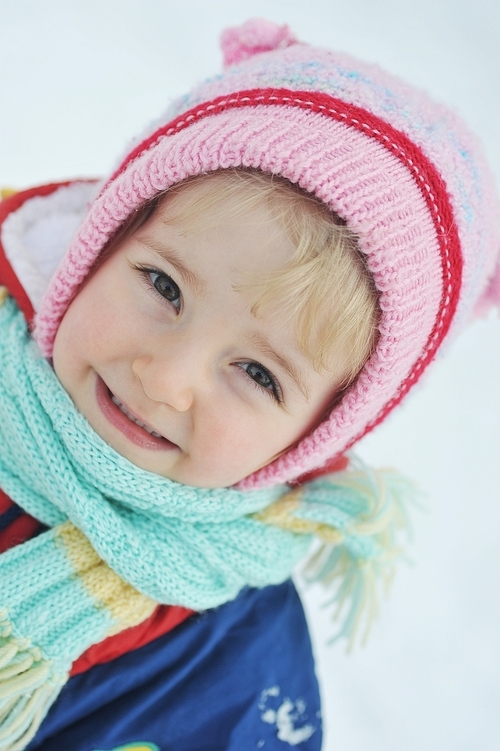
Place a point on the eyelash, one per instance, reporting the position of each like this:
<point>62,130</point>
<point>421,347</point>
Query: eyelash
<point>146,274</point>
<point>274,392</point>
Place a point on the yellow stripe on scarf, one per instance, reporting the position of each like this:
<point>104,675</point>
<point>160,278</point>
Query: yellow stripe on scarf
<point>126,605</point>
<point>280,514</point>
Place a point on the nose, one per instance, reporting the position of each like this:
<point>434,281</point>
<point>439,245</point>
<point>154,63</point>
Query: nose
<point>172,377</point>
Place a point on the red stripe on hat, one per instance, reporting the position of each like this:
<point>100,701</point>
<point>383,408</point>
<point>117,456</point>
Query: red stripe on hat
<point>425,175</point>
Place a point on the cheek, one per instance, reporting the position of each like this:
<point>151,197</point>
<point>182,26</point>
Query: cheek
<point>95,323</point>
<point>81,343</point>
<point>234,444</point>
<point>80,333</point>
<point>246,443</point>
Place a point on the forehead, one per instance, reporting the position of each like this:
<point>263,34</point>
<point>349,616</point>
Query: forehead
<point>212,220</point>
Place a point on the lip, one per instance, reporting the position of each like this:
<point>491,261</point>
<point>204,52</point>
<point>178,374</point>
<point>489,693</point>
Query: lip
<point>119,420</point>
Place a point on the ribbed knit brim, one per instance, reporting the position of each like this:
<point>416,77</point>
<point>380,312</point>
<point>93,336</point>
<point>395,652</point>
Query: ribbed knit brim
<point>403,172</point>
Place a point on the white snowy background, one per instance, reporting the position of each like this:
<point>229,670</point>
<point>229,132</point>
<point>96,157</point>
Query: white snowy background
<point>78,78</point>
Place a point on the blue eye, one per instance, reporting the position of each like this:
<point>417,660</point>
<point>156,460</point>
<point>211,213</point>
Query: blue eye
<point>166,287</point>
<point>163,285</point>
<point>263,378</point>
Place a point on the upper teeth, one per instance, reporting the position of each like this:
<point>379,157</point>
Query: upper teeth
<point>134,419</point>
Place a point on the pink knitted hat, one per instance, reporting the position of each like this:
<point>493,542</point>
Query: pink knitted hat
<point>403,172</point>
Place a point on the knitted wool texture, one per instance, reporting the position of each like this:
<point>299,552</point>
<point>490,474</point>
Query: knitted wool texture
<point>124,539</point>
<point>179,545</point>
<point>175,543</point>
<point>403,172</point>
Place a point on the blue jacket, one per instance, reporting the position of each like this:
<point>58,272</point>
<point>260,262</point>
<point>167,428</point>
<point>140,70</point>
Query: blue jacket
<point>236,678</point>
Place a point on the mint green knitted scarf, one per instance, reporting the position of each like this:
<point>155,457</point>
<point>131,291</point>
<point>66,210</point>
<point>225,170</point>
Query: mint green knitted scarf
<point>122,540</point>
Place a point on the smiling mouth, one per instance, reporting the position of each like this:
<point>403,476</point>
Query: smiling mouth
<point>123,420</point>
<point>130,416</point>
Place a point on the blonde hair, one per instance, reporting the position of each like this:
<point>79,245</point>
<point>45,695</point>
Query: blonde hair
<point>326,287</point>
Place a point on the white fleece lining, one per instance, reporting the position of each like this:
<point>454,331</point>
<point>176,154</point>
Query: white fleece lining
<point>36,236</point>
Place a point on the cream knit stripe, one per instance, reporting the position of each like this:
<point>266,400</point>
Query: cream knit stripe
<point>282,514</point>
<point>126,606</point>
<point>47,601</point>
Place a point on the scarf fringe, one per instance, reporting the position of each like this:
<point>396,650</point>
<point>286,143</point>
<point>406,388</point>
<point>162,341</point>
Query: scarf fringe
<point>361,565</point>
<point>356,515</point>
<point>28,687</point>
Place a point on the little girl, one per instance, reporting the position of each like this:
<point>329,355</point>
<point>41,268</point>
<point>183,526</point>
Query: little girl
<point>267,273</point>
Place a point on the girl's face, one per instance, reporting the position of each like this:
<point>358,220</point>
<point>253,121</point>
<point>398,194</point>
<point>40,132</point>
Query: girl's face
<point>162,354</point>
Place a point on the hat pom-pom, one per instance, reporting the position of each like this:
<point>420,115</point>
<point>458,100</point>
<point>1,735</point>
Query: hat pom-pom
<point>257,35</point>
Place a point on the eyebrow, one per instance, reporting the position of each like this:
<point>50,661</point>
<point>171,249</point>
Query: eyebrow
<point>263,345</point>
<point>172,257</point>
